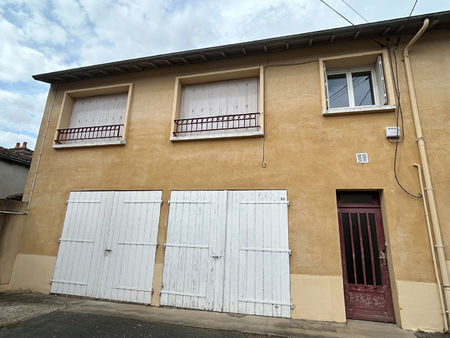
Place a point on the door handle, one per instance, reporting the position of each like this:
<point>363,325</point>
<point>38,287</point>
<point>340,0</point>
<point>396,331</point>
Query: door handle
<point>216,257</point>
<point>382,256</point>
<point>108,250</point>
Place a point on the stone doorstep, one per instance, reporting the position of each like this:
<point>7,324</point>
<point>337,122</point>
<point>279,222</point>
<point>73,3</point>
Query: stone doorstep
<point>205,319</point>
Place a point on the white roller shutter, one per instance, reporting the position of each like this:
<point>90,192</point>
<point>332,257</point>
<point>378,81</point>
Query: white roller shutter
<point>98,110</point>
<point>220,98</point>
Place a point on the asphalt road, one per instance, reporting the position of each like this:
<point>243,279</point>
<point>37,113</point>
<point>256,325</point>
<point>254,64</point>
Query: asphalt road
<point>72,324</point>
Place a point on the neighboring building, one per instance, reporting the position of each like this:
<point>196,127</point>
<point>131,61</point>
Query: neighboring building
<point>253,178</point>
<point>14,167</point>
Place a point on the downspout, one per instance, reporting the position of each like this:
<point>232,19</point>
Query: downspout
<point>38,161</point>
<point>426,170</point>
<point>433,254</point>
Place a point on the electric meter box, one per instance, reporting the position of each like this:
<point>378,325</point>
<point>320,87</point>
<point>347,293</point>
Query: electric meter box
<point>392,132</point>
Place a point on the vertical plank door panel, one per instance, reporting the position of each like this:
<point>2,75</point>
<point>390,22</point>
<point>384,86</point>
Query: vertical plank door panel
<point>108,245</point>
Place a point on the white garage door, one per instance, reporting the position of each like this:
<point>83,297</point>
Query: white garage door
<point>107,247</point>
<point>228,251</point>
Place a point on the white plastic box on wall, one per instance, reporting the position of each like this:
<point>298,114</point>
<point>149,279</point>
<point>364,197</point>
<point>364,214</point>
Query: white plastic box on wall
<point>392,132</point>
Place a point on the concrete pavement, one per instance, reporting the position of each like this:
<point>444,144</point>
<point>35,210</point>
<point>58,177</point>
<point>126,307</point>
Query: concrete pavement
<point>145,320</point>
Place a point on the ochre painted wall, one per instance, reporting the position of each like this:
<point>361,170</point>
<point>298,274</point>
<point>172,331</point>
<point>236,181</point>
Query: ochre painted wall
<point>309,155</point>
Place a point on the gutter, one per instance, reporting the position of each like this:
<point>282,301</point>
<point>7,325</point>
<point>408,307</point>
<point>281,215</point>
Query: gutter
<point>426,169</point>
<point>39,156</point>
<point>433,254</point>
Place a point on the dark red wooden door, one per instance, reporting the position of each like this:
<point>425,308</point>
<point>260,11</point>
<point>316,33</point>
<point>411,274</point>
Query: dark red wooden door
<point>367,288</point>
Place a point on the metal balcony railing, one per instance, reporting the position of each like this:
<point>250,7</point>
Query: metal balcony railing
<point>89,133</point>
<point>216,123</point>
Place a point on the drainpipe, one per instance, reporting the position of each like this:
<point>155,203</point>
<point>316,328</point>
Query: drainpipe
<point>38,161</point>
<point>426,170</point>
<point>433,254</point>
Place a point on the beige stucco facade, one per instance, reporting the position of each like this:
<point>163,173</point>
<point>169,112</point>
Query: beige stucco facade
<point>308,154</point>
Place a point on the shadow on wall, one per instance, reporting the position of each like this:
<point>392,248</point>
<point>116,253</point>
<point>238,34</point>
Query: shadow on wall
<point>11,227</point>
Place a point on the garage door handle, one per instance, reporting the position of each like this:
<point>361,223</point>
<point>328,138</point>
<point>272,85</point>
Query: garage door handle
<point>216,257</point>
<point>108,250</point>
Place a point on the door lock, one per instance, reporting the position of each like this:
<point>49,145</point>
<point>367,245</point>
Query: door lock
<point>382,256</point>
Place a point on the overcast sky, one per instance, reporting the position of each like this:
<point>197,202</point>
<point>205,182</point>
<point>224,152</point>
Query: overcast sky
<point>38,36</point>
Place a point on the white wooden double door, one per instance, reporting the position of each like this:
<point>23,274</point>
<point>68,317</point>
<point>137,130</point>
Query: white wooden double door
<point>108,243</point>
<point>228,251</point>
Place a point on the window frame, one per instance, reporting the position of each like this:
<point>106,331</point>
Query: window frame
<point>67,107</point>
<point>205,78</point>
<point>356,62</point>
<point>350,91</point>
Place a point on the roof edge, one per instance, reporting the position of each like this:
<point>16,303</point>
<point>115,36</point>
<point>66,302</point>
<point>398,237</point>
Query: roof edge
<point>208,53</point>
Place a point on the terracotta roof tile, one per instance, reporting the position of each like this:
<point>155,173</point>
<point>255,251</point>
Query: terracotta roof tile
<point>20,155</point>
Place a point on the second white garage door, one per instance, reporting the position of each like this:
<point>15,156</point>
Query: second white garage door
<point>228,251</point>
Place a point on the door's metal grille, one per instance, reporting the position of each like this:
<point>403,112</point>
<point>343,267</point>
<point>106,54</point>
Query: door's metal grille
<point>361,248</point>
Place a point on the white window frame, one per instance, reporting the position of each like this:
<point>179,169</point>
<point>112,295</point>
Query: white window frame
<point>377,62</point>
<point>351,96</point>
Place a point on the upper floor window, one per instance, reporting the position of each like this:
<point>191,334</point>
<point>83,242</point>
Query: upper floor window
<point>356,84</point>
<point>93,117</point>
<point>217,105</point>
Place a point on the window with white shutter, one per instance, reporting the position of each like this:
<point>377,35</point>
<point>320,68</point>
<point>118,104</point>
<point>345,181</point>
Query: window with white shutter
<point>217,105</point>
<point>93,117</point>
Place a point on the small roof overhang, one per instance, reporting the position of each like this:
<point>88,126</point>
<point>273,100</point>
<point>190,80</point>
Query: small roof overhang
<point>376,30</point>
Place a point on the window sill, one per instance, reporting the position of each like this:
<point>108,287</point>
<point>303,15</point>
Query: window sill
<point>358,110</point>
<point>87,143</point>
<point>217,136</point>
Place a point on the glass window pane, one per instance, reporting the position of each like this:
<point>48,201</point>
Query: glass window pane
<point>363,89</point>
<point>357,246</point>
<point>356,197</point>
<point>366,247</point>
<point>348,249</point>
<point>338,91</point>
<point>373,233</point>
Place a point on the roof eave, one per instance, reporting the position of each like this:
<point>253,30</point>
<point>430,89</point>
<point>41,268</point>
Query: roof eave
<point>376,29</point>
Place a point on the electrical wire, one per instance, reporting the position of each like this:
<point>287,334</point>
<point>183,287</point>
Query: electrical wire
<point>354,10</point>
<point>322,1</point>
<point>399,114</point>
<point>342,16</point>
<point>263,162</point>
<point>263,159</point>
<point>412,10</point>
